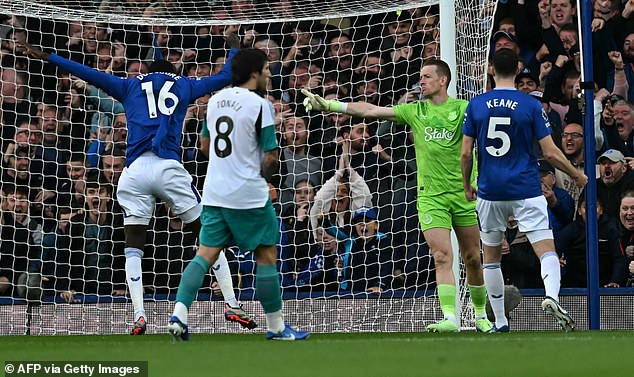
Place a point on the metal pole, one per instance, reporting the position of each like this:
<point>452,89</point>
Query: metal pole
<point>448,55</point>
<point>584,11</point>
<point>448,40</point>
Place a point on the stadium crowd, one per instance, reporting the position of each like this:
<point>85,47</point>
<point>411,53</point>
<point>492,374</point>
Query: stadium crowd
<point>346,188</point>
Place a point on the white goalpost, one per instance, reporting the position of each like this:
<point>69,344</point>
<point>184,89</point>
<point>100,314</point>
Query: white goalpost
<point>63,144</point>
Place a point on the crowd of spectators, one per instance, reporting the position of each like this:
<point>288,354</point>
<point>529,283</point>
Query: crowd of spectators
<point>346,189</point>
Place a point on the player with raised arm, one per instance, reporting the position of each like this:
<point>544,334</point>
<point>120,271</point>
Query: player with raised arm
<point>441,204</point>
<point>236,204</point>
<point>506,123</point>
<point>155,106</point>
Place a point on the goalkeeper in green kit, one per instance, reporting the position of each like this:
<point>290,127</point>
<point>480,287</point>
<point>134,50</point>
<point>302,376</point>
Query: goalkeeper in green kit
<point>436,124</point>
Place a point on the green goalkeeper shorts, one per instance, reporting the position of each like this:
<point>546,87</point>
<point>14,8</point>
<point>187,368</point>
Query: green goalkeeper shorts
<point>446,210</point>
<point>246,228</point>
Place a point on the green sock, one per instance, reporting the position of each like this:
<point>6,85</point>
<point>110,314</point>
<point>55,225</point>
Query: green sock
<point>267,288</point>
<point>478,295</point>
<point>447,297</point>
<point>191,280</point>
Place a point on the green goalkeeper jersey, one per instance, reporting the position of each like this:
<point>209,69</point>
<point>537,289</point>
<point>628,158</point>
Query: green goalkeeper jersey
<point>437,133</point>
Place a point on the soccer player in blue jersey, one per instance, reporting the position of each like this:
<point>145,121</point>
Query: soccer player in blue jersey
<point>505,123</point>
<point>155,106</point>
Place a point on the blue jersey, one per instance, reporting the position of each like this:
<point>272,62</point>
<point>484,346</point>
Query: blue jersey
<point>155,104</point>
<point>506,123</point>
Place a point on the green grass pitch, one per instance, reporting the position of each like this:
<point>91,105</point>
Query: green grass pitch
<point>534,354</point>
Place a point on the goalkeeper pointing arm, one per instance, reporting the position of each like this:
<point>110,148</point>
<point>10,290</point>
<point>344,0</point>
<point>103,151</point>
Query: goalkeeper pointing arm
<point>356,109</point>
<point>436,125</point>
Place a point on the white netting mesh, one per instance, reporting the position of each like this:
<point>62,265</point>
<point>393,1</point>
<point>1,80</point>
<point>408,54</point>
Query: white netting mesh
<point>63,142</point>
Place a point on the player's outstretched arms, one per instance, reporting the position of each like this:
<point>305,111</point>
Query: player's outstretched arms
<point>113,85</point>
<point>32,52</point>
<point>356,109</point>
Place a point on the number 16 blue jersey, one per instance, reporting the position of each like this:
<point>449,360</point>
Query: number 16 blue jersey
<point>506,123</point>
<point>155,104</point>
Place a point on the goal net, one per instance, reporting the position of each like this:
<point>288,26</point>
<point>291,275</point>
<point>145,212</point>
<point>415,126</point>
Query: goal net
<point>63,151</point>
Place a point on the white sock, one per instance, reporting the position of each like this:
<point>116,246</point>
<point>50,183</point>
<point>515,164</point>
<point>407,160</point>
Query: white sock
<point>551,274</point>
<point>133,276</point>
<point>180,311</point>
<point>494,281</point>
<point>275,322</point>
<point>223,275</point>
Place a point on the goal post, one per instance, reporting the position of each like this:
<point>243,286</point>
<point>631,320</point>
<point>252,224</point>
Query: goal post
<point>63,139</point>
<point>584,20</point>
<point>448,38</point>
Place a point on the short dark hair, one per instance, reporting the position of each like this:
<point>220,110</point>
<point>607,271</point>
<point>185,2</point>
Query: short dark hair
<point>12,189</point>
<point>442,68</point>
<point>63,210</point>
<point>570,27</point>
<point>92,181</point>
<point>627,194</point>
<point>336,34</point>
<point>21,119</point>
<point>117,151</point>
<point>505,62</point>
<point>246,62</point>
<point>161,65</point>
<point>571,75</point>
<point>129,63</point>
<point>600,202</point>
<point>78,157</point>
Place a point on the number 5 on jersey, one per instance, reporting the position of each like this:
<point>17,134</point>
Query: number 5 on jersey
<point>493,133</point>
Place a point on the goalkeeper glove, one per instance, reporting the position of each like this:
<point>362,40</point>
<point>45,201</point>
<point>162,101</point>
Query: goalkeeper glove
<point>318,103</point>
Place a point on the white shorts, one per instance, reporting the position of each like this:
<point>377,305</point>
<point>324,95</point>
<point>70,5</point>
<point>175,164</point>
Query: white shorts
<point>150,177</point>
<point>531,214</point>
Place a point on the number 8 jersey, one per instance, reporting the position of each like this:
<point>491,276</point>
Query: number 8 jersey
<point>241,128</point>
<point>506,123</point>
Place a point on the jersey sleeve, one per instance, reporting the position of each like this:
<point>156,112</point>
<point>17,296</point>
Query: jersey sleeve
<point>402,112</point>
<point>268,141</point>
<point>205,130</point>
<point>200,87</point>
<point>468,128</point>
<point>113,85</point>
<point>540,121</point>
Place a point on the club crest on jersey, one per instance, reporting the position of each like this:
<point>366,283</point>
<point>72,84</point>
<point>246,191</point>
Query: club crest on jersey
<point>452,116</point>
